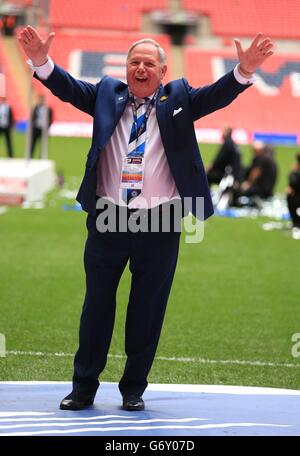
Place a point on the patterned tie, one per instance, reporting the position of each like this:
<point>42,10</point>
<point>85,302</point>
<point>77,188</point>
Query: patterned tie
<point>137,142</point>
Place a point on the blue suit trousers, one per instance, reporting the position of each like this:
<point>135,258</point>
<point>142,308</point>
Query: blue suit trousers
<point>152,258</point>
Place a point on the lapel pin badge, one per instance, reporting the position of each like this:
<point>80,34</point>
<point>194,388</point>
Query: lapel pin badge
<point>163,98</point>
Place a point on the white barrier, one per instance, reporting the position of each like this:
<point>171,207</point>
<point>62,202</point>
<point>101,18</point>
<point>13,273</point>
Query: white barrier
<point>25,181</point>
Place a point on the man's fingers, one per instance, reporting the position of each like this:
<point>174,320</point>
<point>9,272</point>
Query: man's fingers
<point>269,53</point>
<point>50,39</point>
<point>268,47</point>
<point>30,31</point>
<point>238,46</point>
<point>30,37</point>
<point>27,35</point>
<point>265,43</point>
<point>22,38</point>
<point>33,32</point>
<point>256,40</point>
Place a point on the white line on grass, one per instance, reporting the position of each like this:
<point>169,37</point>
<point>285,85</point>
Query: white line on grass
<point>106,419</point>
<point>142,428</point>
<point>165,358</point>
<point>64,423</point>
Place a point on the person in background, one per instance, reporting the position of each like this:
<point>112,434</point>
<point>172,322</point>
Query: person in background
<point>227,161</point>
<point>8,24</point>
<point>293,193</point>
<point>261,176</point>
<point>41,118</point>
<point>6,124</point>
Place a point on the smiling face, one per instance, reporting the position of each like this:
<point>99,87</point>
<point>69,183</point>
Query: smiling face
<point>144,70</point>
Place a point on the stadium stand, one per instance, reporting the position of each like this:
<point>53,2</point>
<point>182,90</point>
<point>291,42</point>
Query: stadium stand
<point>101,14</point>
<point>279,18</point>
<point>21,2</point>
<point>93,37</point>
<point>10,87</point>
<point>276,91</point>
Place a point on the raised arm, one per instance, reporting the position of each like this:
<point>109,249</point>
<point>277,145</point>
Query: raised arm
<point>34,46</point>
<point>221,93</point>
<point>80,94</point>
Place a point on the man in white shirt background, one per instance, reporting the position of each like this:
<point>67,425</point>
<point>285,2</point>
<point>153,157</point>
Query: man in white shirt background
<point>6,124</point>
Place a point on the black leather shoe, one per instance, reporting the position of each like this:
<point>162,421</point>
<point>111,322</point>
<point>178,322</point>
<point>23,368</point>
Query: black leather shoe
<point>133,403</point>
<point>76,401</point>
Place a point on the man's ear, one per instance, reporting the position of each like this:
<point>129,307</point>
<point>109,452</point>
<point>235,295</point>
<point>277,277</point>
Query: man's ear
<point>164,70</point>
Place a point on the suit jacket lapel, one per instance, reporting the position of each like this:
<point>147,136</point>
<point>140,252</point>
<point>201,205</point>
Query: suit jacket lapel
<point>161,106</point>
<point>121,101</point>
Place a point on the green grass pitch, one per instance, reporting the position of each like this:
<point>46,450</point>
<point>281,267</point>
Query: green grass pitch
<point>232,312</point>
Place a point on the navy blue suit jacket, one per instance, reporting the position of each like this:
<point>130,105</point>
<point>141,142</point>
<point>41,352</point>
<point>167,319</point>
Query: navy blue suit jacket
<point>106,102</point>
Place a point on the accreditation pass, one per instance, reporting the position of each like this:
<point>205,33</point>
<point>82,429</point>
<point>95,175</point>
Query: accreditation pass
<point>132,175</point>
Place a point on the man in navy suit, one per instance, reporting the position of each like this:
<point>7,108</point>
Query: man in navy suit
<point>169,169</point>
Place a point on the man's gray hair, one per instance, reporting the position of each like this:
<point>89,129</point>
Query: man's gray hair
<point>161,51</point>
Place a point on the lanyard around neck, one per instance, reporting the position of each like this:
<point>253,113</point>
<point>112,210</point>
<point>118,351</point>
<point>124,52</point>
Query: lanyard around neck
<point>151,103</point>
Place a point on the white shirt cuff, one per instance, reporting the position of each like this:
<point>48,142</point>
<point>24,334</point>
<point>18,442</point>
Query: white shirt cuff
<point>43,71</point>
<point>241,79</point>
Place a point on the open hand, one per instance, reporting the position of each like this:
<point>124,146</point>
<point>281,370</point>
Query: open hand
<point>253,57</point>
<point>34,46</point>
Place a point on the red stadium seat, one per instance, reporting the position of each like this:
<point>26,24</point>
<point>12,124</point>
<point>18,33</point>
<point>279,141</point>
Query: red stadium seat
<point>21,2</point>
<point>11,87</point>
<point>279,18</point>
<point>101,14</point>
<point>272,105</point>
